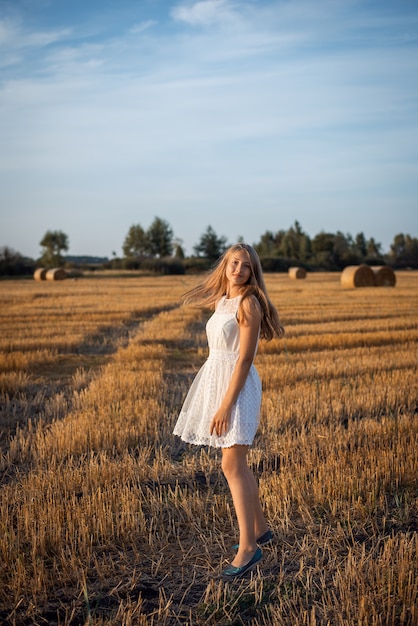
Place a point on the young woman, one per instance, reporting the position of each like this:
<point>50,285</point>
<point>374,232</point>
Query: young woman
<point>222,406</point>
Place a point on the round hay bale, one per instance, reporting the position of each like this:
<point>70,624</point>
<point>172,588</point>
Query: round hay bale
<point>40,273</point>
<point>57,273</point>
<point>357,276</point>
<point>384,275</point>
<point>297,272</point>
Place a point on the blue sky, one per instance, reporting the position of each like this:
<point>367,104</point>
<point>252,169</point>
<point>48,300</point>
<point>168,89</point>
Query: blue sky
<point>243,115</point>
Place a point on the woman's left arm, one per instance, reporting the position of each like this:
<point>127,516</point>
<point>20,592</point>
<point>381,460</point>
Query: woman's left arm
<point>249,328</point>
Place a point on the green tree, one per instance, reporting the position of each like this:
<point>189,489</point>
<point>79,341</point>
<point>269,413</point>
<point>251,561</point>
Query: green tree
<point>178,249</point>
<point>374,249</point>
<point>323,250</point>
<point>160,238</point>
<point>136,242</point>
<point>295,244</point>
<point>267,245</point>
<point>404,250</point>
<point>53,243</point>
<point>290,244</point>
<point>210,245</point>
<point>12,263</point>
<point>345,251</point>
<point>361,245</point>
<point>398,247</point>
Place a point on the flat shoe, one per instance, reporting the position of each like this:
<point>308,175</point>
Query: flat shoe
<point>234,572</point>
<point>262,541</point>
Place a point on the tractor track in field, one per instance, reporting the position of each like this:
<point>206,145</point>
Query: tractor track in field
<point>49,392</point>
<point>180,366</point>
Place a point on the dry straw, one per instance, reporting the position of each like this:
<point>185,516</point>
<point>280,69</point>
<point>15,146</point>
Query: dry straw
<point>297,272</point>
<point>108,519</point>
<point>56,274</point>
<point>358,276</point>
<point>40,273</point>
<point>385,276</point>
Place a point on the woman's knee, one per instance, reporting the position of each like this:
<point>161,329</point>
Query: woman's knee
<point>233,461</point>
<point>227,465</point>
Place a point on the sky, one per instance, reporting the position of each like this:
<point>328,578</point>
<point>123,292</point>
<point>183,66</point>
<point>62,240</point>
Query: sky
<point>240,115</point>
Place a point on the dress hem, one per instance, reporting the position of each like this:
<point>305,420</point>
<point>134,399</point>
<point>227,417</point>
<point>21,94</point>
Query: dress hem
<point>214,445</point>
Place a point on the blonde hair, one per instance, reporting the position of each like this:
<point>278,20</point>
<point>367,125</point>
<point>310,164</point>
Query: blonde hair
<point>215,286</point>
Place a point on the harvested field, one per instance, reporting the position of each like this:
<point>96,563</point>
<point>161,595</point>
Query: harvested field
<point>107,519</point>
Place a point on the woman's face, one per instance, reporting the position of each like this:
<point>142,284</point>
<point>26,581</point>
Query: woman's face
<point>238,269</point>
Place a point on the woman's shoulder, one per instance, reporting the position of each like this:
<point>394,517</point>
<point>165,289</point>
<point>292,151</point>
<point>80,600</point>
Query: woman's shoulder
<point>251,307</point>
<point>251,302</point>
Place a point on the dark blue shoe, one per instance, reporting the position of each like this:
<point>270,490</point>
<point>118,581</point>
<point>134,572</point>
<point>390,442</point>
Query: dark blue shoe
<point>262,541</point>
<point>234,572</point>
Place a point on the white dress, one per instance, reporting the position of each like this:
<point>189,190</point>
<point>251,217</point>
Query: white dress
<point>209,387</point>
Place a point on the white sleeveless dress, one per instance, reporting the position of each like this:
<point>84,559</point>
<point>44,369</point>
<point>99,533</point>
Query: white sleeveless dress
<point>209,387</point>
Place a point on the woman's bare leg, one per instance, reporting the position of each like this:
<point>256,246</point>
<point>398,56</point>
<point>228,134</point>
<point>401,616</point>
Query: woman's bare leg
<point>244,491</point>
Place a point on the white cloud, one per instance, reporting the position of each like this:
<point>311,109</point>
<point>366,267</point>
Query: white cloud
<point>277,107</point>
<point>137,29</point>
<point>13,36</point>
<point>7,32</point>
<point>9,59</point>
<point>67,61</point>
<point>205,12</point>
<point>42,39</point>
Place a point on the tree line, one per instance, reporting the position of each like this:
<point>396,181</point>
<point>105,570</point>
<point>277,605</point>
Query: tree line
<point>157,249</point>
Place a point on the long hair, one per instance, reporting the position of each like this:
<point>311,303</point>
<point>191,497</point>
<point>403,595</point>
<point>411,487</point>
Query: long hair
<point>215,285</point>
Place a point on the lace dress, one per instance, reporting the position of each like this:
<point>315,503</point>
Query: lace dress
<point>209,387</point>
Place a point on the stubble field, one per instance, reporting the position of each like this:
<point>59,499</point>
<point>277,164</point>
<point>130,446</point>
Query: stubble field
<point>107,519</point>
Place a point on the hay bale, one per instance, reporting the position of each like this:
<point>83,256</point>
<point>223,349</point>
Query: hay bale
<point>297,272</point>
<point>358,276</point>
<point>384,275</point>
<point>40,273</point>
<point>57,273</point>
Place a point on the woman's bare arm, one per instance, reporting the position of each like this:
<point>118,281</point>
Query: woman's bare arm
<point>249,327</point>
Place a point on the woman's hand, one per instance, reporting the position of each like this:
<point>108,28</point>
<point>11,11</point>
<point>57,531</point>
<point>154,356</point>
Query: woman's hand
<point>220,422</point>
